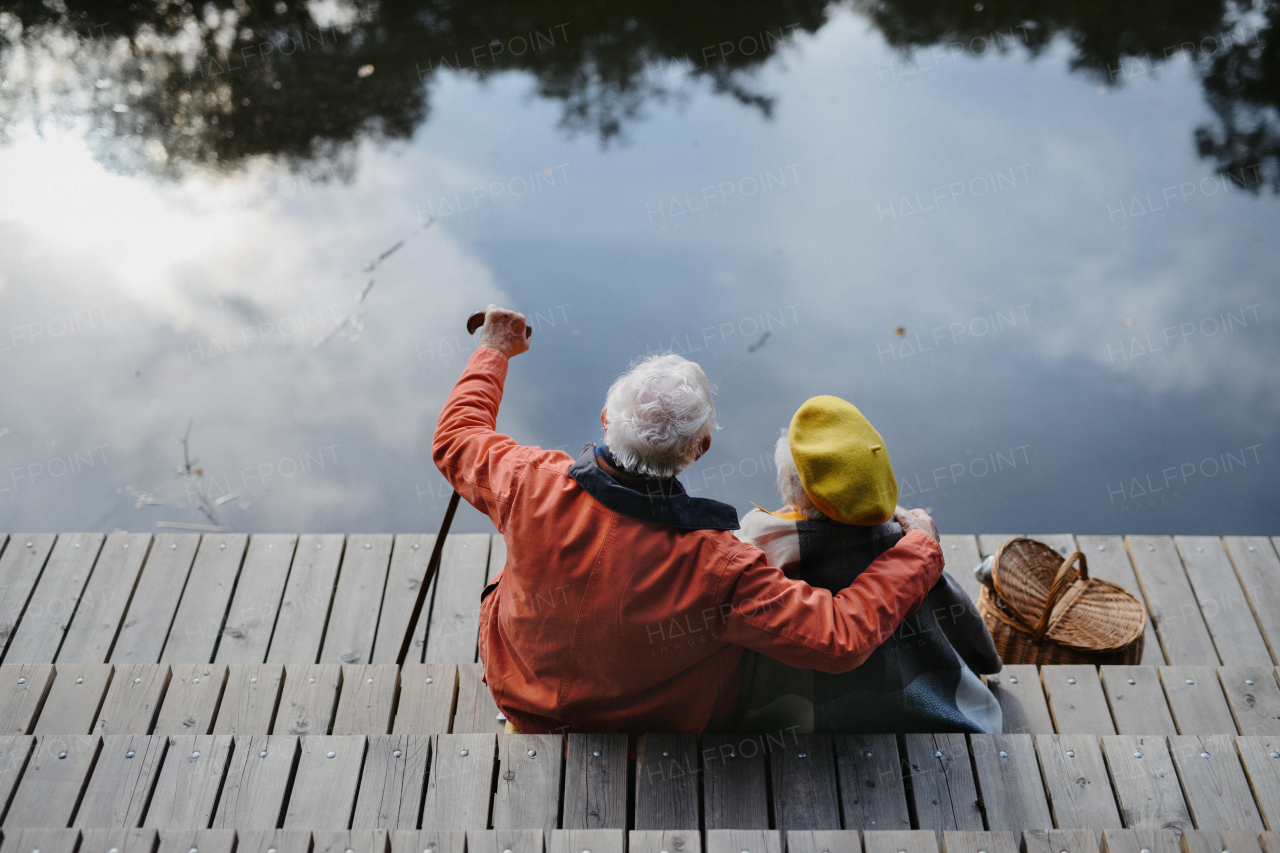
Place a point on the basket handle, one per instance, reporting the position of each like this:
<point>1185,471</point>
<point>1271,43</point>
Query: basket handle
<point>1060,584</point>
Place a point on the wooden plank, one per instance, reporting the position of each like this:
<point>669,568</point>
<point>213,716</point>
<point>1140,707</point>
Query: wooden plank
<point>105,840</point>
<point>123,777</point>
<point>942,784</point>
<point>367,699</point>
<point>901,841</point>
<point>1145,782</point>
<point>191,702</point>
<point>666,787</point>
<point>324,789</point>
<point>1076,781</point>
<point>392,782</point>
<point>529,774</point>
<point>304,610</point>
<point>1059,841</point>
<point>869,769</point>
<point>190,779</point>
<point>427,695</point>
<point>1140,841</point>
<point>1223,604</point>
<point>352,627</point>
<point>308,699</point>
<point>74,699</point>
<point>53,781</point>
<point>1260,756</point>
<point>53,603</point>
<point>202,610</point>
<point>476,710</point>
<point>735,792</point>
<point>252,614</point>
<point>744,841</point>
<point>1196,700</point>
<point>824,841</point>
<point>958,841</point>
<point>197,840</point>
<point>249,700</point>
<point>802,768</point>
<point>20,567</point>
<point>1076,701</point>
<point>664,841</point>
<point>455,613</point>
<point>1009,782</point>
<point>257,778</point>
<point>1257,565</point>
<point>150,613</point>
<point>133,699</point>
<point>1137,700</point>
<point>961,555</point>
<point>1171,603</point>
<point>429,841</point>
<point>988,543</point>
<point>409,558</point>
<point>273,841</point>
<point>1021,696</point>
<point>1253,697</point>
<point>39,840</point>
<point>460,782</point>
<point>14,752</point>
<point>1063,543</point>
<point>504,841</point>
<point>102,606</point>
<point>595,782</point>
<point>25,686</point>
<point>586,841</point>
<point>1213,782</point>
<point>1220,841</point>
<point>349,841</point>
<point>1109,560</point>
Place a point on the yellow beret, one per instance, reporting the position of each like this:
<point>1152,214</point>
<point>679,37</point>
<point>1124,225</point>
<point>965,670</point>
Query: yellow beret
<point>842,462</point>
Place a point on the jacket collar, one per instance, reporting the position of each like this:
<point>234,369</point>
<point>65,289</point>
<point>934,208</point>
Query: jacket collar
<point>656,500</point>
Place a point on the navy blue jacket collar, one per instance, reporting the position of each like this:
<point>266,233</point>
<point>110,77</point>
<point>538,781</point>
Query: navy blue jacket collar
<point>663,502</point>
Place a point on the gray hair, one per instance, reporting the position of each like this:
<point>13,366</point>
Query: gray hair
<point>789,485</point>
<point>659,411</point>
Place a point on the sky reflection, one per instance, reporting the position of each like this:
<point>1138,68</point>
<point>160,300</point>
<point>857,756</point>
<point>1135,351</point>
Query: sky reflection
<point>1085,293</point>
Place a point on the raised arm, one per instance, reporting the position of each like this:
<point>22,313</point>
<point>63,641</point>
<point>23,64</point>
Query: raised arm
<point>476,460</point>
<point>810,628</point>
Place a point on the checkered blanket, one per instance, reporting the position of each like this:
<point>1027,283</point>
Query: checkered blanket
<point>924,678</point>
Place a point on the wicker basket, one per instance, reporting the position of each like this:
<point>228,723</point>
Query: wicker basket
<point>1046,610</point>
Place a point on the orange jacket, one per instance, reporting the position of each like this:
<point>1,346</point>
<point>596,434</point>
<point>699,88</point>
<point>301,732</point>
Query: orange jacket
<point>604,621</point>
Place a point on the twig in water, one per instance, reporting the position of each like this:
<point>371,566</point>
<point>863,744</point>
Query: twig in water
<point>193,473</point>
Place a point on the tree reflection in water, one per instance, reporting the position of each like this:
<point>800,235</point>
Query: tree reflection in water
<point>168,86</point>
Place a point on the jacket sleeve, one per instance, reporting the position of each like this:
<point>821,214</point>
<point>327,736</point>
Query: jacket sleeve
<point>483,465</point>
<point>809,628</point>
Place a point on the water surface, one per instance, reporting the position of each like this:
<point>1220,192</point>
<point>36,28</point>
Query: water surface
<point>1037,246</point>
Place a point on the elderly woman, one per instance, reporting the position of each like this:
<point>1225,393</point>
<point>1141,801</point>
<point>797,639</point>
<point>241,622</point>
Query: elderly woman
<point>839,489</point>
<point>626,604</point>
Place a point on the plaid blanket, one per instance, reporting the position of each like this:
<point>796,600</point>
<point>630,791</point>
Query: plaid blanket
<point>924,678</point>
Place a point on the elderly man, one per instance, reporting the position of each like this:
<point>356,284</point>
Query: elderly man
<point>625,604</point>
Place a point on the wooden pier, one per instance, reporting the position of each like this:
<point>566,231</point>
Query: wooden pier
<point>221,693</point>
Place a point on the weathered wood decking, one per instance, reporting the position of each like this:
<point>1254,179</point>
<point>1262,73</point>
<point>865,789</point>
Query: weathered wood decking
<point>229,692</point>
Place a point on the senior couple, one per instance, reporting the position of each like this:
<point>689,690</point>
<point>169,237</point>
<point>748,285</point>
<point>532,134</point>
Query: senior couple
<point>832,614</point>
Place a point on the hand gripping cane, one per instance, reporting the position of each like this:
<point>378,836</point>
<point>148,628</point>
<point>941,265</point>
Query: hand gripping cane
<point>474,322</point>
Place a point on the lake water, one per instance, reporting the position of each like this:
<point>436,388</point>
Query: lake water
<point>1037,246</point>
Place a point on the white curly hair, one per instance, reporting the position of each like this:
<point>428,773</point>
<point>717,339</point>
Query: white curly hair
<point>658,413</point>
<point>789,485</point>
